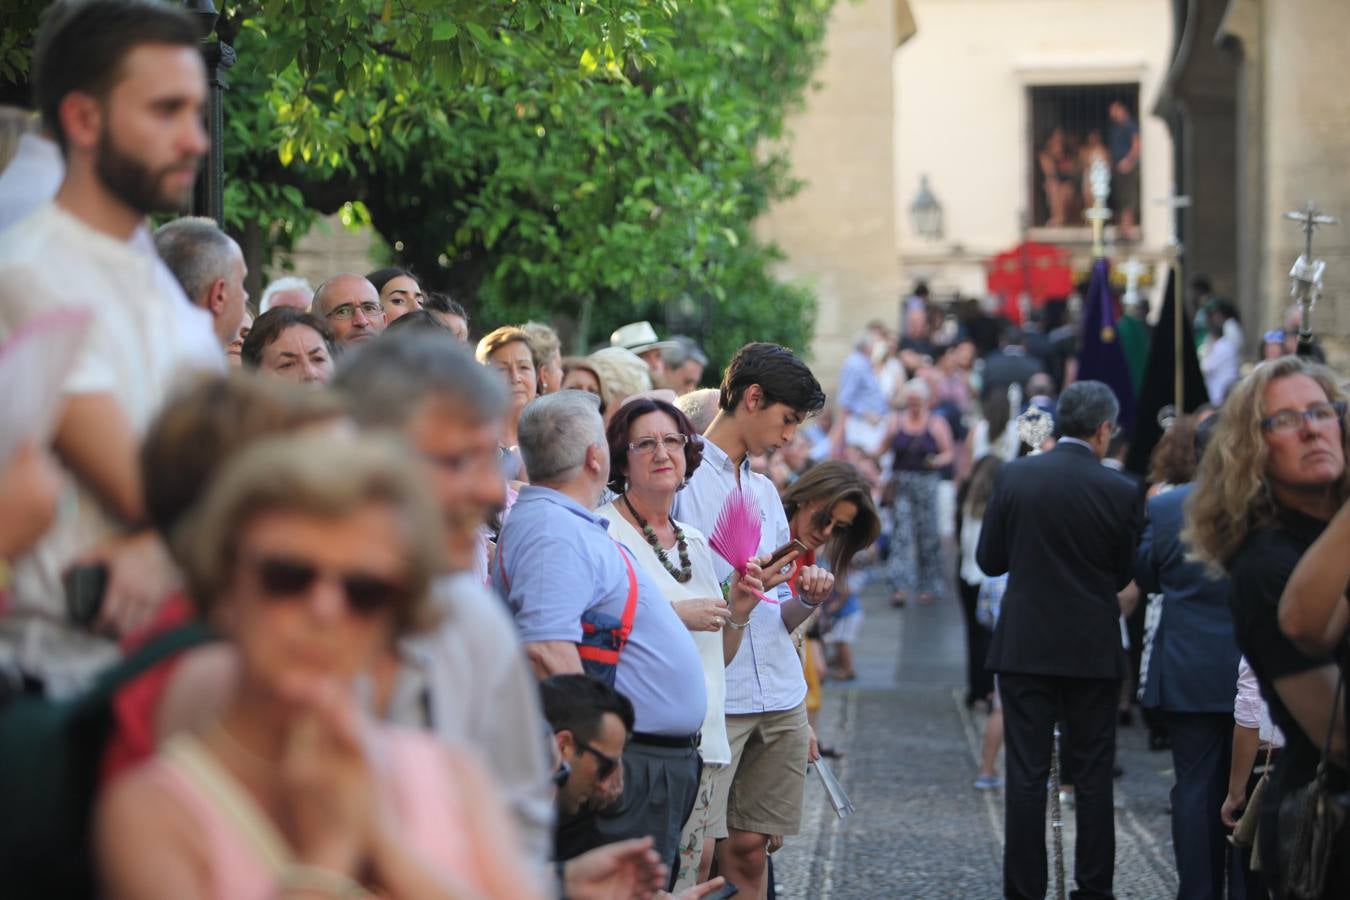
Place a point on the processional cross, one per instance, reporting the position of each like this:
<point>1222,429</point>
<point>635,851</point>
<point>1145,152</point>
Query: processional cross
<point>1305,278</point>
<point>1099,176</point>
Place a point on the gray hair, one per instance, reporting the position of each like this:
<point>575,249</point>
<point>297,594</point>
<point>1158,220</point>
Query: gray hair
<point>388,380</point>
<point>556,431</point>
<point>197,252</point>
<point>700,406</point>
<point>1083,407</point>
<point>286,283</point>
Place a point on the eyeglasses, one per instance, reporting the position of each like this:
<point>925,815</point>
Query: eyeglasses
<point>1319,414</point>
<point>287,578</point>
<point>604,764</point>
<point>347,310</point>
<point>673,443</point>
<point>1273,337</point>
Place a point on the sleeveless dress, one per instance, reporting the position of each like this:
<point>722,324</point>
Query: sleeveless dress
<point>245,850</point>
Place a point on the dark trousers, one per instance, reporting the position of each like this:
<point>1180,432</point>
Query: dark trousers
<point>1202,750</point>
<point>1086,707</point>
<point>979,681</point>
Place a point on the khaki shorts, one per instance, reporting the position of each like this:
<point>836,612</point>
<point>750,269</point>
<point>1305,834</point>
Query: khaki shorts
<point>761,791</point>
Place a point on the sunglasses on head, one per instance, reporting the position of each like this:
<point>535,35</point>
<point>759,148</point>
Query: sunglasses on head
<point>284,578</point>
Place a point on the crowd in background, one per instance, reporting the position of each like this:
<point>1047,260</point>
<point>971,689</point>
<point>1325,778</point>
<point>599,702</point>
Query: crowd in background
<point>332,604</point>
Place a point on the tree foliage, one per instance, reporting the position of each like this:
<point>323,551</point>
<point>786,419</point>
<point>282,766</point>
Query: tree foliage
<point>592,162</point>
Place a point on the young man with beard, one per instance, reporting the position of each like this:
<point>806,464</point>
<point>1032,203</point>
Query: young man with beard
<point>766,393</point>
<point>120,85</point>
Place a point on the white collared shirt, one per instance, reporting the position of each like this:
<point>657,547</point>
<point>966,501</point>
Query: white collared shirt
<point>766,675</point>
<point>143,338</point>
<point>1073,440</point>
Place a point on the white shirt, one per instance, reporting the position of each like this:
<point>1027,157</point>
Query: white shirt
<point>467,680</point>
<point>31,179</point>
<point>1220,363</point>
<point>766,675</point>
<point>1250,711</point>
<point>143,337</point>
<point>714,747</point>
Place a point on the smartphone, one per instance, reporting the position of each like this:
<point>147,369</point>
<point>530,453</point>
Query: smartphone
<point>85,587</point>
<point>728,890</point>
<point>782,552</point>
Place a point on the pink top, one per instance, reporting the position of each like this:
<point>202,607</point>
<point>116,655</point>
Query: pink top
<point>245,859</point>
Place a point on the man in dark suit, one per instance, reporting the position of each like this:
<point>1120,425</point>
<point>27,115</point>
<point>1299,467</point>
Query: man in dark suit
<point>1010,364</point>
<point>1191,670</point>
<point>1064,528</point>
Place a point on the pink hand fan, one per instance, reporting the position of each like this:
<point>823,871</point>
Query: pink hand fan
<point>735,537</point>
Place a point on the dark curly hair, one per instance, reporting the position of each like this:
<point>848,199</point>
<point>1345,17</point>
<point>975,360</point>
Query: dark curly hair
<point>617,435</point>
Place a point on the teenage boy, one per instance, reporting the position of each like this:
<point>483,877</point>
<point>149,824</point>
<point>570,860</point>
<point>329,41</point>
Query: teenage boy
<point>766,393</point>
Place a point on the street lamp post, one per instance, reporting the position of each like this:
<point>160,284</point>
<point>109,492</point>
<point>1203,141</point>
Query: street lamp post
<point>926,212</point>
<point>208,198</point>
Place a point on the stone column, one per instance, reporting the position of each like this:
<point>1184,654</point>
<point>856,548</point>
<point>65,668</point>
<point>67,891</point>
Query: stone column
<point>838,232</point>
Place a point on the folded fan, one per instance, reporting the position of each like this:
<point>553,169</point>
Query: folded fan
<point>735,537</point>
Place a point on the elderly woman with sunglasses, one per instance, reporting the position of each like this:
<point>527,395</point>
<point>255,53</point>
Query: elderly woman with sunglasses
<point>312,573</point>
<point>653,451</point>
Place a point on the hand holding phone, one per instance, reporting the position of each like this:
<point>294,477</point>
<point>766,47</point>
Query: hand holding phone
<point>779,556</point>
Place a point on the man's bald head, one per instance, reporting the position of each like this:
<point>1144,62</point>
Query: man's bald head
<point>351,306</point>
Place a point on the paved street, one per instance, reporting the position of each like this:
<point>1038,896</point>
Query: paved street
<point>911,750</point>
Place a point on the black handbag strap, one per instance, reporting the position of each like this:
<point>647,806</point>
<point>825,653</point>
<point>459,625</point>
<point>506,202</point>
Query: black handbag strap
<point>1331,728</point>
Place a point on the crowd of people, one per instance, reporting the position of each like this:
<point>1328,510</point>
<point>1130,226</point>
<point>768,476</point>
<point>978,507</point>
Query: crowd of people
<point>355,607</point>
<point>1065,163</point>
<point>333,604</point>
<point>1202,590</point>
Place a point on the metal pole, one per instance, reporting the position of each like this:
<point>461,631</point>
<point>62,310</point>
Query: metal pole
<point>1179,324</point>
<point>1056,816</point>
<point>209,196</point>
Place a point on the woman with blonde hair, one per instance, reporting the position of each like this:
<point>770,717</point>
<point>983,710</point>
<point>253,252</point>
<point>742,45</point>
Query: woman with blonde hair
<point>622,374</point>
<point>1271,478</point>
<point>312,572</point>
<point>509,351</point>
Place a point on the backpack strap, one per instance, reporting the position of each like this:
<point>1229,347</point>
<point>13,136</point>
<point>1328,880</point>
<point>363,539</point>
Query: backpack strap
<point>611,657</point>
<point>154,651</point>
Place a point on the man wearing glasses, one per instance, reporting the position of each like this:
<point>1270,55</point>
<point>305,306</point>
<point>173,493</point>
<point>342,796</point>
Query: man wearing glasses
<point>351,306</point>
<point>591,723</point>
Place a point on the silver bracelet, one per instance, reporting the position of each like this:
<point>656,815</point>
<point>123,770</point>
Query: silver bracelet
<point>738,625</point>
<point>801,598</point>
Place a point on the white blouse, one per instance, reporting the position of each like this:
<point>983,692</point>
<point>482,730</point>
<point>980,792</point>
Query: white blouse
<point>714,747</point>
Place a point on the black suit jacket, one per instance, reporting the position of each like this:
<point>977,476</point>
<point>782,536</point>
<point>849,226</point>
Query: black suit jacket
<point>1064,528</point>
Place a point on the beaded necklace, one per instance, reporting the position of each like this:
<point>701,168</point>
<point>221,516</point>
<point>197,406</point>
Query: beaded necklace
<point>686,569</point>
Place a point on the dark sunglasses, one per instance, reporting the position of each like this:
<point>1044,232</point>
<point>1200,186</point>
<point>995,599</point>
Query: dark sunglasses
<point>285,578</point>
<point>605,764</point>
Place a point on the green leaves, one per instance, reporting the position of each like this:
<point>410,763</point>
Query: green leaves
<point>527,154</point>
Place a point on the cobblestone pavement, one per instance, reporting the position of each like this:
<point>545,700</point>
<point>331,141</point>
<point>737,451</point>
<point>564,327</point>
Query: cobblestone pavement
<point>911,751</point>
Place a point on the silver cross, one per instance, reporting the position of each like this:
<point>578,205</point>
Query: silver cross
<point>1176,203</point>
<point>1133,269</point>
<point>1305,278</point>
